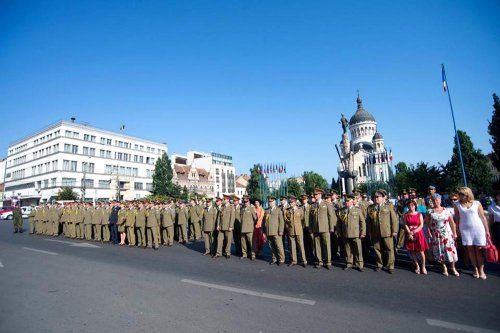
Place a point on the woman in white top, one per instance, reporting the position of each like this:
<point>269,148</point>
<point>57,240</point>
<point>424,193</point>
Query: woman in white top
<point>494,216</point>
<point>473,227</point>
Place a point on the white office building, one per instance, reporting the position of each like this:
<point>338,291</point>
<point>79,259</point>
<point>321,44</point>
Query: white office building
<point>211,174</point>
<point>97,164</point>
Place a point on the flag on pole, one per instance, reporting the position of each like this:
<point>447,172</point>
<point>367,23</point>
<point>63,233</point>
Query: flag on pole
<point>258,168</point>
<point>390,154</point>
<point>445,85</point>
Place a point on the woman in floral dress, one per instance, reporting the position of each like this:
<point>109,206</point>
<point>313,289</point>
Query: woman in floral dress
<point>442,233</point>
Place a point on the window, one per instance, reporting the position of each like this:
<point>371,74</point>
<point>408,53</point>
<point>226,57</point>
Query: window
<point>74,149</point>
<point>102,153</point>
<point>108,153</point>
<point>69,182</point>
<point>108,142</point>
<point>88,167</point>
<point>103,141</point>
<point>67,133</point>
<point>56,148</point>
<point>76,135</point>
<point>88,183</point>
<point>45,183</point>
<point>67,148</point>
<point>33,170</point>
<point>135,172</point>
<point>149,186</point>
<point>92,152</point>
<point>85,150</point>
<point>86,137</point>
<point>138,186</point>
<point>108,169</point>
<point>66,166</point>
<point>73,165</point>
<point>53,182</point>
<point>92,138</point>
<point>104,184</point>
<point>136,146</point>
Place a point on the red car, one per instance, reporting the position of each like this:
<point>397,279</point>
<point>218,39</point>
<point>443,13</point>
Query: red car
<point>6,213</point>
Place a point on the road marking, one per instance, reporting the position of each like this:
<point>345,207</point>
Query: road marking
<point>251,292</point>
<point>40,251</point>
<point>88,245</point>
<point>458,327</point>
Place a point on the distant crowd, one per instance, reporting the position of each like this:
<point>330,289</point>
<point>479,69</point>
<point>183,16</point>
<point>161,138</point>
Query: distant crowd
<point>314,229</point>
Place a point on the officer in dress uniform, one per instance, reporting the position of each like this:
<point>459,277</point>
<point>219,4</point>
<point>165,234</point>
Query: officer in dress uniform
<point>130,224</point>
<point>294,218</point>
<point>152,219</point>
<point>167,222</point>
<point>87,221</point>
<point>182,222</point>
<point>140,225</point>
<point>274,225</point>
<point>31,219</point>
<point>382,224</point>
<point>248,219</point>
<point>237,226</point>
<point>351,228</point>
<point>225,228</point>
<point>208,227</point>
<point>308,241</point>
<point>323,224</point>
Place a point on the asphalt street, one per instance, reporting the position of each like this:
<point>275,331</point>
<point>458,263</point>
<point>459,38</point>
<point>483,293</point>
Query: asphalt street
<point>61,285</point>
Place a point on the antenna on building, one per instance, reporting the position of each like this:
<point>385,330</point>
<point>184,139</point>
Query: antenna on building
<point>73,119</point>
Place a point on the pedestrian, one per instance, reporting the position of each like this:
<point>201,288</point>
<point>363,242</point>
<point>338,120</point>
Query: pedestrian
<point>473,228</point>
<point>415,241</point>
<point>273,227</point>
<point>208,226</point>
<point>17,215</point>
<point>494,217</point>
<point>294,218</point>
<point>323,224</point>
<point>113,222</point>
<point>259,240</point>
<point>31,219</point>
<point>248,220</point>
<point>351,228</point>
<point>225,228</point>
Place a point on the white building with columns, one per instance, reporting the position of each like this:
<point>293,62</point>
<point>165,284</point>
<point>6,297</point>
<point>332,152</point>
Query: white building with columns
<point>97,164</point>
<point>367,147</point>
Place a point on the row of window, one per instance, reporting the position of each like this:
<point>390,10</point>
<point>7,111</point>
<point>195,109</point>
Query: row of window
<point>46,151</point>
<point>19,160</point>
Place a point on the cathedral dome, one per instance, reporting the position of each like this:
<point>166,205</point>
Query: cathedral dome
<point>378,136</point>
<point>361,115</point>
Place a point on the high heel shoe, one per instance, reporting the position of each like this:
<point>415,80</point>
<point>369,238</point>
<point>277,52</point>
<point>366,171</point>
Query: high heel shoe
<point>424,271</point>
<point>483,277</point>
<point>455,272</point>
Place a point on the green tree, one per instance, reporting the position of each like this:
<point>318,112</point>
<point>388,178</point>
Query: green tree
<point>257,187</point>
<point>402,177</point>
<point>335,184</point>
<point>477,169</point>
<point>66,193</point>
<point>185,193</point>
<point>294,188</point>
<point>162,177</point>
<point>314,180</point>
<point>494,131</point>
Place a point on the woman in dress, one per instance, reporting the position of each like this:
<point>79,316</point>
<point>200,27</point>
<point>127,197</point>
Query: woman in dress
<point>494,216</point>
<point>473,229</point>
<point>259,240</point>
<point>442,233</point>
<point>415,241</point>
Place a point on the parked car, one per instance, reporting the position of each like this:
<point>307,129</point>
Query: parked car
<point>6,213</point>
<point>26,211</point>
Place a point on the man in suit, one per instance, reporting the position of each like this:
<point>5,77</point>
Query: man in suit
<point>248,220</point>
<point>274,225</point>
<point>323,224</point>
<point>351,228</point>
<point>382,222</point>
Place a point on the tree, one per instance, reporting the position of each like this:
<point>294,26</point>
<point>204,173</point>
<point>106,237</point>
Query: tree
<point>477,170</point>
<point>185,193</point>
<point>335,184</point>
<point>494,131</point>
<point>314,180</point>
<point>162,178</point>
<point>294,188</point>
<point>257,187</point>
<point>402,177</point>
<point>66,193</point>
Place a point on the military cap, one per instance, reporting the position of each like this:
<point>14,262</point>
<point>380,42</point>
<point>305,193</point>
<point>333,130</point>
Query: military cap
<point>411,189</point>
<point>293,198</point>
<point>271,198</point>
<point>208,199</point>
<point>431,187</point>
<point>218,199</point>
<point>350,196</point>
<point>236,198</point>
<point>405,191</point>
<point>328,195</point>
<point>283,197</point>
<point>304,197</point>
<point>332,191</point>
<point>228,197</point>
<point>318,191</point>
<point>381,192</point>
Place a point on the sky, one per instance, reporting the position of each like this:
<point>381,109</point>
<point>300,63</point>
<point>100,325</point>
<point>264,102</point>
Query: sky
<point>262,81</point>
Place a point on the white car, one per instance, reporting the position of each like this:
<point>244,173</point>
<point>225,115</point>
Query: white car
<point>26,211</point>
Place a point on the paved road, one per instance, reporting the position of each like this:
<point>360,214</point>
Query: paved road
<point>60,285</point>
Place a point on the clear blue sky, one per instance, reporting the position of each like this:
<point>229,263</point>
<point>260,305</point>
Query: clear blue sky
<point>262,81</point>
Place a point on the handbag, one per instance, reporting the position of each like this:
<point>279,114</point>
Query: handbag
<point>491,251</point>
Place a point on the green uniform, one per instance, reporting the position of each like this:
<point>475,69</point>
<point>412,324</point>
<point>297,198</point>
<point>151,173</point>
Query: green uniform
<point>167,224</point>
<point>130,225</point>
<point>274,226</point>
<point>323,223</point>
<point>152,223</point>
<point>96,223</point>
<point>80,229</point>
<point>87,222</point>
<point>140,224</point>
<point>38,221</point>
<point>208,227</point>
<point>294,218</point>
<point>195,216</point>
<point>182,222</point>
<point>382,224</point>
<point>225,227</point>
<point>18,219</point>
<point>351,228</point>
<point>308,236</point>
<point>248,219</point>
<point>106,234</point>
<point>237,229</point>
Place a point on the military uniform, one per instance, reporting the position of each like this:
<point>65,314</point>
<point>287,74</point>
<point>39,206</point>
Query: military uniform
<point>130,225</point>
<point>351,228</point>
<point>237,227</point>
<point>208,227</point>
<point>17,215</point>
<point>323,223</point>
<point>195,221</point>
<point>79,227</point>
<point>182,222</point>
<point>308,239</point>
<point>31,220</point>
<point>225,227</point>
<point>168,219</point>
<point>274,226</point>
<point>294,218</point>
<point>152,223</point>
<point>38,220</point>
<point>140,224</point>
<point>382,225</point>
<point>96,223</point>
<point>106,233</point>
<point>87,222</point>
<point>248,219</point>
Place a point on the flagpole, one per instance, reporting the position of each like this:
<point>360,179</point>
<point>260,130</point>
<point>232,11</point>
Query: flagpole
<point>445,82</point>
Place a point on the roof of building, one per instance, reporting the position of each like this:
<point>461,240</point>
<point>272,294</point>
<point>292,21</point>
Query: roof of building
<point>367,146</point>
<point>378,136</point>
<point>361,115</point>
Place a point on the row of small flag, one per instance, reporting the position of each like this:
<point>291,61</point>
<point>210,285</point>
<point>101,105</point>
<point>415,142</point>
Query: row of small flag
<point>379,158</point>
<point>268,168</point>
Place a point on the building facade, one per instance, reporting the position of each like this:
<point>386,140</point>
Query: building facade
<point>97,164</point>
<point>211,174</point>
<point>367,152</point>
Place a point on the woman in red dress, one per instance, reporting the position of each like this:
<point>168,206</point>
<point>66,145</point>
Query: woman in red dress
<point>415,241</point>
<point>259,240</point>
